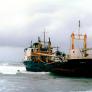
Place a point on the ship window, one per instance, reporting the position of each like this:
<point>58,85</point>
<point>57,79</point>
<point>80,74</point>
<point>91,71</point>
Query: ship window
<point>73,51</point>
<point>32,50</point>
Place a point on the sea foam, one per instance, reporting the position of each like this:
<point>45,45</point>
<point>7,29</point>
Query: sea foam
<point>12,69</point>
<point>9,69</point>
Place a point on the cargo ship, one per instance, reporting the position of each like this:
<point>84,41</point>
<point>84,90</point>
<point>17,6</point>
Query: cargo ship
<point>78,62</point>
<point>38,56</point>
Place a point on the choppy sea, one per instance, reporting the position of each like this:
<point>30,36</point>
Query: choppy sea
<point>14,78</point>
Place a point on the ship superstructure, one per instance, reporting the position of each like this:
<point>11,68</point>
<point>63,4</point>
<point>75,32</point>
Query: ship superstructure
<point>38,55</point>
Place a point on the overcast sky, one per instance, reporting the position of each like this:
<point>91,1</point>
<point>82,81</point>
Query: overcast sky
<point>24,20</point>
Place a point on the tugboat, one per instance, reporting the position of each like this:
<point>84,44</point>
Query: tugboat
<point>78,62</point>
<point>38,55</point>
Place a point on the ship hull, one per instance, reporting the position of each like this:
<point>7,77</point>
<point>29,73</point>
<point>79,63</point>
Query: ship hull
<point>73,67</point>
<point>36,66</point>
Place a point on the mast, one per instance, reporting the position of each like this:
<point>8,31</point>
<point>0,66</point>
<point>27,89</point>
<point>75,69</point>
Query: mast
<point>79,37</point>
<point>85,41</point>
<point>73,37</point>
<point>39,39</point>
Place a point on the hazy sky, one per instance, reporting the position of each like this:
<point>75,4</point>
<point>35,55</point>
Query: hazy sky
<point>24,20</point>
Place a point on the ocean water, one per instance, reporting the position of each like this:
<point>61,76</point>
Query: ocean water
<point>16,79</point>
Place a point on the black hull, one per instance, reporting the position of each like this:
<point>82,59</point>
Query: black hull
<point>73,67</point>
<point>36,67</point>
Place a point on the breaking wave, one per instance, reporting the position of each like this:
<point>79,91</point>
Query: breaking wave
<point>15,69</point>
<point>8,69</point>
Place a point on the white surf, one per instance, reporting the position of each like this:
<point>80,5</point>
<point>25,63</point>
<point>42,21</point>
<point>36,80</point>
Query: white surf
<point>10,69</point>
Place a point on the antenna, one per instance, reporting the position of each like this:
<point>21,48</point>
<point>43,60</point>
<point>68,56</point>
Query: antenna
<point>79,29</point>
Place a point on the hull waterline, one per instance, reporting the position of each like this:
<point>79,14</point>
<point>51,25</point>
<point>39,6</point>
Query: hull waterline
<point>78,67</point>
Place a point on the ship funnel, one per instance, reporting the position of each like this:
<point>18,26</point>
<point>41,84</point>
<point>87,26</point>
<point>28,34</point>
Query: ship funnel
<point>49,44</point>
